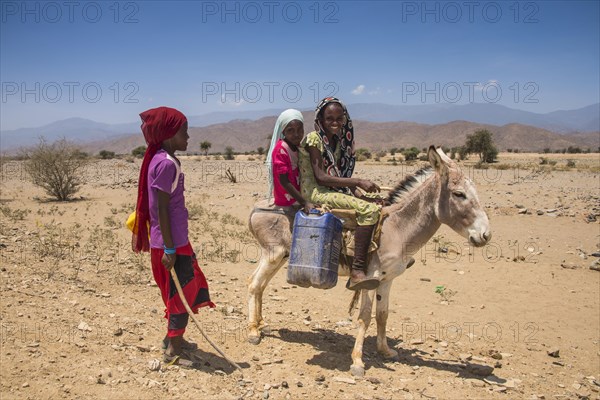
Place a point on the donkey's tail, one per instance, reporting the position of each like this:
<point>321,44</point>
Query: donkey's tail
<point>353,302</point>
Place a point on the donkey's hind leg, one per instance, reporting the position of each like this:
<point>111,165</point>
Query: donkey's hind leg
<point>381,316</point>
<point>270,262</point>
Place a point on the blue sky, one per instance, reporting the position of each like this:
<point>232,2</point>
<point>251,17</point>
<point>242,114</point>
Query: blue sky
<point>108,61</point>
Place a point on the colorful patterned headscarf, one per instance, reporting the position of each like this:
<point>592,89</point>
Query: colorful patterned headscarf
<point>158,125</point>
<point>345,165</point>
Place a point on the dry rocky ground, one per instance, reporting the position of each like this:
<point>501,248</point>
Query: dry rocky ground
<point>80,316</point>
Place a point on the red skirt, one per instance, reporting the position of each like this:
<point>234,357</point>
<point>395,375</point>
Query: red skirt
<point>192,281</point>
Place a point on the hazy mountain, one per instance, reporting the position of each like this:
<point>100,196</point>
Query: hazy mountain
<point>586,119</point>
<point>246,135</point>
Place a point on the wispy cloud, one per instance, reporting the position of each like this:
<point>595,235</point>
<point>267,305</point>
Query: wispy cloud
<point>358,90</point>
<point>230,101</point>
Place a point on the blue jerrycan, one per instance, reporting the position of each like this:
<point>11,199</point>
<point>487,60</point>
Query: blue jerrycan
<point>315,252</point>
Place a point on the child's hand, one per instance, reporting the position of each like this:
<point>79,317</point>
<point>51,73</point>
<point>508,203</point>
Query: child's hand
<point>308,206</point>
<point>168,261</point>
<point>368,186</point>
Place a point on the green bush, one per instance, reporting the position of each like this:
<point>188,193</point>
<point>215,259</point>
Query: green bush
<point>411,154</point>
<point>139,151</point>
<point>106,155</point>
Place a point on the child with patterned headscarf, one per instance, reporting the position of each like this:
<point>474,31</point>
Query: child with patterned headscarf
<point>161,208</point>
<point>326,166</point>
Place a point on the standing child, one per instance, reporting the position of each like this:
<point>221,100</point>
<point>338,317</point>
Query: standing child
<point>282,160</point>
<point>162,204</point>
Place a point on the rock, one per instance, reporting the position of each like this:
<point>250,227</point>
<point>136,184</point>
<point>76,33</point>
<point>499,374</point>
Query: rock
<point>554,352</point>
<point>320,378</point>
<point>568,265</point>
<point>343,379</point>
<point>494,380</point>
<point>480,369</point>
<point>425,279</point>
<point>154,365</point>
<point>299,384</point>
<point>118,332</point>
<point>522,211</point>
<point>26,384</point>
<point>84,327</point>
<point>284,385</point>
<point>266,395</point>
<point>595,254</point>
<point>595,266</point>
<point>539,212</point>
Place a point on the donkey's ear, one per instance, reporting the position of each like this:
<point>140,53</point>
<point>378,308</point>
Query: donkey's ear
<point>437,162</point>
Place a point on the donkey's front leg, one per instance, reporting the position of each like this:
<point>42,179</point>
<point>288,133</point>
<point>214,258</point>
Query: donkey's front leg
<point>269,264</point>
<point>364,319</point>
<point>381,316</point>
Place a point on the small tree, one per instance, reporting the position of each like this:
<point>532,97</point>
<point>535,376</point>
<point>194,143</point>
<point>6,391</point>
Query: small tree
<point>481,143</point>
<point>57,168</point>
<point>366,153</point>
<point>205,146</point>
<point>106,155</point>
<point>410,154</point>
<point>260,151</point>
<point>139,151</point>
<point>229,153</point>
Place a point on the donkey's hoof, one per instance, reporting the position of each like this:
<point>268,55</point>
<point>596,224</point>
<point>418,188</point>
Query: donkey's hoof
<point>266,329</point>
<point>390,355</point>
<point>254,340</point>
<point>357,371</point>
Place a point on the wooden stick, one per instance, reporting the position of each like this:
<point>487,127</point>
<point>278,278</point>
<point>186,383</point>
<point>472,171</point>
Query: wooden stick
<point>191,313</point>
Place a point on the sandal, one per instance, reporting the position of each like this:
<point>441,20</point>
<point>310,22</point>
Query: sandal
<point>180,361</point>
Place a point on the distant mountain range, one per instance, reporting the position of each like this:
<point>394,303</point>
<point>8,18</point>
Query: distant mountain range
<point>247,135</point>
<point>447,124</point>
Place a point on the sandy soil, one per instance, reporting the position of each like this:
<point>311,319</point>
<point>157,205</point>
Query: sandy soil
<point>81,318</point>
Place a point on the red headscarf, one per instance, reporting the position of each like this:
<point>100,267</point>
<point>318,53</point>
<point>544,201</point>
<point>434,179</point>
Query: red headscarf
<point>158,125</point>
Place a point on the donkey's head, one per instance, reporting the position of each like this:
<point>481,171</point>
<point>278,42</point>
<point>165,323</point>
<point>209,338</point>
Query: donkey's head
<point>458,205</point>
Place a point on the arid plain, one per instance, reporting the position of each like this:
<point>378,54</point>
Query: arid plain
<point>80,316</point>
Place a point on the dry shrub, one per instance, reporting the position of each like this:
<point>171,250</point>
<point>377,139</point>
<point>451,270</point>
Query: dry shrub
<point>58,168</point>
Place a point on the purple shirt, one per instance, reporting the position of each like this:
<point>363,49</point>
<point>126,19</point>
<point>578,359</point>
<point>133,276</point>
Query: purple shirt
<point>162,173</point>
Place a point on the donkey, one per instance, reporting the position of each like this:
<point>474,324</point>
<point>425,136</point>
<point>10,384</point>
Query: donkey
<point>437,194</point>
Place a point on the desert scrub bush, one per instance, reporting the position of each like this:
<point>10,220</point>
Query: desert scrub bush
<point>54,244</point>
<point>503,166</point>
<point>58,168</point>
<point>570,164</point>
<point>101,244</point>
<point>195,211</point>
<point>230,219</point>
<point>106,155</point>
<point>410,154</point>
<point>13,215</point>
